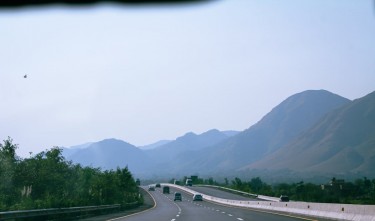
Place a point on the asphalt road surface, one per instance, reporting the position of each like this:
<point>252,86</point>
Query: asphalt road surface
<point>166,209</point>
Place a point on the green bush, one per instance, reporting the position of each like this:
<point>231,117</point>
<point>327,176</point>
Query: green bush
<point>47,180</point>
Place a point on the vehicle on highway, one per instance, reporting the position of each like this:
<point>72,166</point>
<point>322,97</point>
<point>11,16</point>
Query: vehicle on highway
<point>158,185</point>
<point>151,188</point>
<point>177,182</point>
<point>166,189</point>
<point>284,198</point>
<point>189,182</point>
<point>197,197</point>
<point>177,196</point>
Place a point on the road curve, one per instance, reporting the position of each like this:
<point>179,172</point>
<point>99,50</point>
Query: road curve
<point>166,209</point>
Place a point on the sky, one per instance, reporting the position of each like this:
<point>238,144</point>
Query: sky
<point>147,73</point>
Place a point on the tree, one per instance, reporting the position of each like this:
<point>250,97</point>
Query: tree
<point>8,150</point>
<point>47,180</point>
<point>256,184</point>
<point>8,165</point>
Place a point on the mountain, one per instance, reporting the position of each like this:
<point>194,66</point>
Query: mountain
<point>284,123</point>
<point>154,145</point>
<point>230,133</point>
<point>110,154</point>
<point>342,142</point>
<point>311,133</point>
<point>67,152</point>
<point>146,161</point>
<point>169,152</point>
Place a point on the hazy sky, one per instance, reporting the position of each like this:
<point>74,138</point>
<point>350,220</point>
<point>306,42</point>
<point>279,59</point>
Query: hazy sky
<point>142,74</point>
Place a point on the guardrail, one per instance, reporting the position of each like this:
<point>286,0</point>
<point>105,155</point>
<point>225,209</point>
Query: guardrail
<point>322,210</point>
<point>230,190</point>
<point>267,198</point>
<point>43,213</point>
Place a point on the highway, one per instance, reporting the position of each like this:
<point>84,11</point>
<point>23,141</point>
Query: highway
<point>220,193</point>
<point>166,209</point>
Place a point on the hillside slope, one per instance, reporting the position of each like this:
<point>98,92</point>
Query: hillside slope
<point>173,154</point>
<point>342,142</point>
<point>110,154</point>
<point>283,124</point>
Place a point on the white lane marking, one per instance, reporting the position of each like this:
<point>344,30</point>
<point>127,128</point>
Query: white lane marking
<point>230,215</point>
<point>239,219</point>
<point>223,212</point>
<point>122,217</point>
<point>179,211</point>
<point>217,210</point>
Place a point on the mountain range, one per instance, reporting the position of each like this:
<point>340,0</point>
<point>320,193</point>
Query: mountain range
<point>342,141</point>
<point>312,132</point>
<point>109,154</point>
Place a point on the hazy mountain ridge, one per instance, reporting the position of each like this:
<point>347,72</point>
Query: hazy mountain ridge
<point>73,149</point>
<point>110,154</point>
<point>283,123</point>
<point>154,145</point>
<point>308,132</point>
<point>168,154</point>
<point>343,141</point>
<point>175,157</point>
<point>231,133</point>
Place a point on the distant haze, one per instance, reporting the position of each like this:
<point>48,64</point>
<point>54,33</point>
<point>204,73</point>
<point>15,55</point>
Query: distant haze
<point>144,74</point>
<point>155,145</point>
<point>311,135</point>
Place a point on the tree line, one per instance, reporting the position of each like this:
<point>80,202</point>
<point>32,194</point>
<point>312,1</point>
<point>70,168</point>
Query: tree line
<point>360,191</point>
<point>47,180</point>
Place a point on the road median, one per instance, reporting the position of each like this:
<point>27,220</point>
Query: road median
<point>320,210</point>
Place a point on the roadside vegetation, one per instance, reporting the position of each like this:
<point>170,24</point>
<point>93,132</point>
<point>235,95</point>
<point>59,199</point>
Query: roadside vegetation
<point>361,191</point>
<point>47,180</point>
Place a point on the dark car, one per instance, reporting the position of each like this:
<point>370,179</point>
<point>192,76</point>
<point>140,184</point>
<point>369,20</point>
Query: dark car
<point>284,198</point>
<point>166,189</point>
<point>158,185</point>
<point>177,196</point>
<point>197,197</point>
